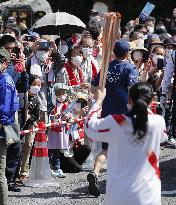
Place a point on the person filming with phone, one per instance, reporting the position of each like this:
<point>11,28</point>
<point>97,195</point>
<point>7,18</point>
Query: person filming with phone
<point>45,61</point>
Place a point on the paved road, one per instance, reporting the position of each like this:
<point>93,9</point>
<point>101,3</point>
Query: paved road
<point>73,189</point>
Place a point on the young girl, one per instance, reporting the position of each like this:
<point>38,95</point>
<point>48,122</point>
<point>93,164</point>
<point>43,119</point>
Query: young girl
<point>58,138</point>
<point>134,142</point>
<point>33,116</point>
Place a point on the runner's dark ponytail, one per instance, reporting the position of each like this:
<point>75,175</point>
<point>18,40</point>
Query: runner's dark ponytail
<point>141,95</point>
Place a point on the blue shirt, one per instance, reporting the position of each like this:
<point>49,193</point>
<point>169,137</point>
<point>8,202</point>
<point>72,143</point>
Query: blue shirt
<point>13,73</point>
<point>120,76</point>
<point>9,102</point>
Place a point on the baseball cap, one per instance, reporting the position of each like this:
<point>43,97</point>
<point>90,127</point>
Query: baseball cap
<point>121,48</point>
<point>4,54</point>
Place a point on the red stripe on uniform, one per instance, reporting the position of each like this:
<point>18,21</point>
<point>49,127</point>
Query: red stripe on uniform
<point>89,117</point>
<point>119,119</point>
<point>105,130</point>
<point>153,161</point>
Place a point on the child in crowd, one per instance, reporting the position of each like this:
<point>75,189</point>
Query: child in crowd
<point>58,139</point>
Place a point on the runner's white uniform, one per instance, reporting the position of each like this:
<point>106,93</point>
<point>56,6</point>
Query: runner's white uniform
<point>133,169</point>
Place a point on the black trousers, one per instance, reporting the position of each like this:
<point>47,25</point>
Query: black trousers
<point>12,162</point>
<point>73,164</point>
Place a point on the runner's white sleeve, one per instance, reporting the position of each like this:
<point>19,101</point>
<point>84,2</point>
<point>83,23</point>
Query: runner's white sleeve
<point>98,129</point>
<point>168,73</point>
<point>164,136</point>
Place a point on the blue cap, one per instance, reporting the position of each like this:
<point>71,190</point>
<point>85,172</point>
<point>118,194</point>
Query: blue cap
<point>121,48</point>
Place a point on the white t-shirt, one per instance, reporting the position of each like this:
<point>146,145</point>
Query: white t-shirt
<point>133,168</point>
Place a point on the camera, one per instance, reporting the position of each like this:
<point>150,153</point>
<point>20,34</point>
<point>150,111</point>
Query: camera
<point>30,38</point>
<point>17,51</point>
<point>145,56</point>
<point>160,63</point>
<point>44,45</point>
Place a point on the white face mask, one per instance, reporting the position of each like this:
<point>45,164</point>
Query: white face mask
<point>87,52</point>
<point>34,89</point>
<point>61,98</point>
<point>64,49</point>
<point>151,29</point>
<point>42,55</point>
<point>168,52</point>
<point>156,57</point>
<point>77,60</point>
<point>137,55</point>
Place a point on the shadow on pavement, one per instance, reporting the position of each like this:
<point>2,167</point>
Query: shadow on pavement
<point>168,176</point>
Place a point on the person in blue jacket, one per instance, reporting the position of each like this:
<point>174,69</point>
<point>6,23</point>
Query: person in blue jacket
<point>21,81</point>
<point>121,75</point>
<point>9,104</point>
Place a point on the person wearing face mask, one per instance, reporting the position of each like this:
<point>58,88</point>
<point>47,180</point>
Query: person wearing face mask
<point>150,25</point>
<point>71,160</point>
<point>141,61</point>
<point>72,74</point>
<point>32,118</point>
<point>46,61</point>
<point>153,41</point>
<point>89,65</point>
<point>156,72</point>
<point>64,47</point>
<point>9,104</point>
<point>58,139</point>
<point>170,46</point>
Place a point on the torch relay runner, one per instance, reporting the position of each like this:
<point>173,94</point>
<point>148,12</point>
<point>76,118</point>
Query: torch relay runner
<point>133,175</point>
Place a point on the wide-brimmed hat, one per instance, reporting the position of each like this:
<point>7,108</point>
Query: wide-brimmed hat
<point>137,46</point>
<point>154,40</point>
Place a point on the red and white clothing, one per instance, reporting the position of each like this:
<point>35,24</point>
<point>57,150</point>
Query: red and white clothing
<point>70,77</point>
<point>133,167</point>
<point>57,135</point>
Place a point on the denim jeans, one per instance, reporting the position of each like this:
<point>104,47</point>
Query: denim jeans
<point>3,180</point>
<point>54,158</point>
<point>12,161</point>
